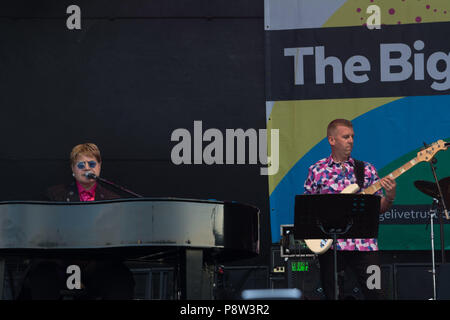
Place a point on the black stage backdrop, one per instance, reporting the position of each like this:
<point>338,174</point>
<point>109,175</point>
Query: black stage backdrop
<point>135,72</point>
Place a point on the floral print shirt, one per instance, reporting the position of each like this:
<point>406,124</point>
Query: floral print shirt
<point>328,176</point>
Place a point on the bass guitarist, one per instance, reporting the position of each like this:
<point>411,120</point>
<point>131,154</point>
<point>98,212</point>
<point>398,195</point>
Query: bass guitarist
<point>332,175</point>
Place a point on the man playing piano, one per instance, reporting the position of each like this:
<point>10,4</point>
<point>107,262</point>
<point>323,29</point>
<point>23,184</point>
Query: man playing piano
<point>101,279</point>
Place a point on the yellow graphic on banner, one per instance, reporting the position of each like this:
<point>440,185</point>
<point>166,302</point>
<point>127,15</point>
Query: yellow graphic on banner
<point>303,124</point>
<point>393,12</point>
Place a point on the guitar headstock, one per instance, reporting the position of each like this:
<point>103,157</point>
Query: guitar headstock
<point>428,153</point>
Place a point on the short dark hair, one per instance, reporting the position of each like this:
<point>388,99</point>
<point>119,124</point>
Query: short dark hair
<point>338,122</point>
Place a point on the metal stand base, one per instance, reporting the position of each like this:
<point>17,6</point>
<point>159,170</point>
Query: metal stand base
<point>432,215</point>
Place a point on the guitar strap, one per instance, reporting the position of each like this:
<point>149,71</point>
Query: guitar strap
<point>359,173</point>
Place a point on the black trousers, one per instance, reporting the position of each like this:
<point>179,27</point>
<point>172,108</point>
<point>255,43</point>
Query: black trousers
<point>46,279</point>
<point>352,267</point>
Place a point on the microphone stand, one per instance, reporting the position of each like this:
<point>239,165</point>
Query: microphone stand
<point>433,213</point>
<point>118,187</point>
<point>441,223</point>
<point>442,202</point>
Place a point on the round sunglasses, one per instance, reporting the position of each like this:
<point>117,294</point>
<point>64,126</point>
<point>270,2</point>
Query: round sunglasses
<point>82,164</point>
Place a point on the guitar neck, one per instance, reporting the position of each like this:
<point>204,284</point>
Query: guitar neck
<point>394,175</point>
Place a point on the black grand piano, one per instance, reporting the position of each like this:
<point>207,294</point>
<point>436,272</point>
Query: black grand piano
<point>194,231</point>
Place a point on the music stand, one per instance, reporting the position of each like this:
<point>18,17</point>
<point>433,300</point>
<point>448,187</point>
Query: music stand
<point>325,216</point>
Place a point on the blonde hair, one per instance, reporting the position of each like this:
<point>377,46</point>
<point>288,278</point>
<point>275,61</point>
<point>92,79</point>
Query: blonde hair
<point>338,122</point>
<point>86,149</point>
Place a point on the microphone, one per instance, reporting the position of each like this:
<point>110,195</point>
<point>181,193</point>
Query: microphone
<point>90,175</point>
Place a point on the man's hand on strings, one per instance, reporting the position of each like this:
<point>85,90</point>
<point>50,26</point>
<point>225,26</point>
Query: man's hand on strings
<point>389,185</point>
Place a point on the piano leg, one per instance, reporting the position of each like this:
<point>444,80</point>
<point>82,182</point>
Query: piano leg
<point>194,278</point>
<point>2,276</point>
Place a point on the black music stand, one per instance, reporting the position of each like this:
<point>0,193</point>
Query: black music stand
<point>325,216</point>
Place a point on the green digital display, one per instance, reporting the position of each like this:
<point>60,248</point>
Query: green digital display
<point>299,266</point>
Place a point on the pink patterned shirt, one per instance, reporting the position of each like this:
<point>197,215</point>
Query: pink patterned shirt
<point>86,195</point>
<point>327,176</point>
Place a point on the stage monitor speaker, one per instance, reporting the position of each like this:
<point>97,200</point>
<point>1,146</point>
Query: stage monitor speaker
<point>413,281</point>
<point>304,274</point>
<point>443,282</point>
<point>352,289</point>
